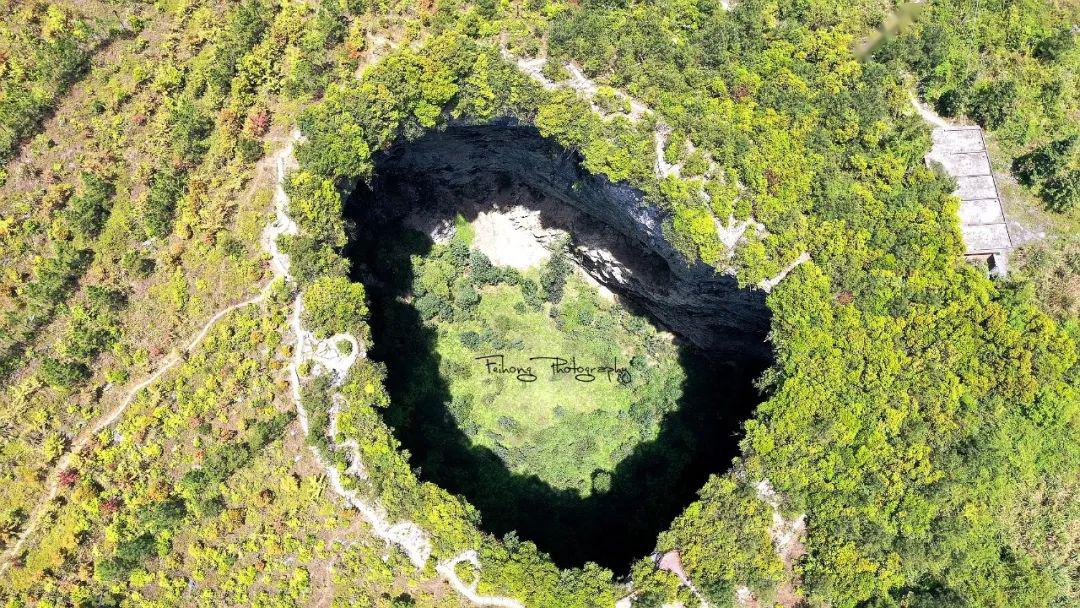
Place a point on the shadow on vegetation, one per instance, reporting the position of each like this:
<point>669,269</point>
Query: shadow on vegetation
<point>648,489</point>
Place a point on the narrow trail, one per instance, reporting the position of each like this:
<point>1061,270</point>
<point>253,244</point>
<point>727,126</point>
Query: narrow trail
<point>410,537</point>
<point>926,112</point>
<point>407,535</point>
<point>448,569</point>
<point>730,231</point>
<point>83,438</point>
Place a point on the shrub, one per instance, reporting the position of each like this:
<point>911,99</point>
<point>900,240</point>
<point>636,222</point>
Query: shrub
<point>530,291</point>
<point>483,272</point>
<point>250,149</point>
<point>164,515</point>
<point>166,188</point>
<point>88,210</point>
<point>951,103</point>
<point>189,129</point>
<point>315,205</point>
<point>1062,191</point>
<point>553,275</point>
<point>1053,171</point>
<point>465,294</point>
<point>55,274</point>
<point>992,102</point>
<point>471,340</point>
<point>431,305</point>
<point>63,375</point>
<point>335,305</point>
<point>309,259</point>
<point>696,164</point>
<point>129,553</point>
<point>94,326</point>
<point>136,264</point>
<point>1055,45</point>
<point>696,225</point>
<point>245,27</point>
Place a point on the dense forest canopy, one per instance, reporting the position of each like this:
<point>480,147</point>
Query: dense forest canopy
<point>1018,80</point>
<point>922,418</point>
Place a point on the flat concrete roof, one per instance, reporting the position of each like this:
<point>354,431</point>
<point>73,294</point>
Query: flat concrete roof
<point>961,152</point>
<point>986,238</point>
<point>981,211</point>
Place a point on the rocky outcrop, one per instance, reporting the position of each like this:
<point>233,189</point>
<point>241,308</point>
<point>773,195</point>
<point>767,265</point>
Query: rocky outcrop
<point>618,237</point>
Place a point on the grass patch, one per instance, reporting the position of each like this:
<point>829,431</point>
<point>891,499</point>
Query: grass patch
<point>497,335</point>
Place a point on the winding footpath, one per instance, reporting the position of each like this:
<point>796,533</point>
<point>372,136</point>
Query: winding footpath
<point>448,569</point>
<point>83,438</point>
<point>729,231</point>
<point>405,534</point>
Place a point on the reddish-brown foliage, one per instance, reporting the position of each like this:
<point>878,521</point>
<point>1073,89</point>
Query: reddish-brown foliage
<point>69,477</point>
<point>259,123</point>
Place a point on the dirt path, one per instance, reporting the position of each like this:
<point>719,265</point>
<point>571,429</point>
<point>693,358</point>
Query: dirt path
<point>927,113</point>
<point>732,231</point>
<point>281,225</point>
<point>407,535</point>
<point>83,438</point>
<point>410,537</point>
<point>448,569</point>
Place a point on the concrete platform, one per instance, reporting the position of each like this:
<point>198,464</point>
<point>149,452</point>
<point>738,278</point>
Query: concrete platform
<point>974,187</point>
<point>988,238</point>
<point>961,152</point>
<point>980,211</point>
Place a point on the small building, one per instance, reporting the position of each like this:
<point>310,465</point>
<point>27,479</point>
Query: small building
<point>961,152</point>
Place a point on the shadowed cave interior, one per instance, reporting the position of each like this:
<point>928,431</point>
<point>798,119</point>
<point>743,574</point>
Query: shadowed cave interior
<point>616,238</point>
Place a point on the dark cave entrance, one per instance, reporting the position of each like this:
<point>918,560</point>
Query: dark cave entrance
<point>617,239</point>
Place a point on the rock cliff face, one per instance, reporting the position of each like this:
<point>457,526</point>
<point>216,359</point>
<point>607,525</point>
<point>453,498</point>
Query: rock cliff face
<point>616,236</point>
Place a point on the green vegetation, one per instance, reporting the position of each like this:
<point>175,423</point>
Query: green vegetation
<point>1052,272</point>
<point>829,160</point>
<point>1053,170</point>
<point>1018,80</point>
<point>44,47</point>
<point>738,530</point>
<point>922,416</point>
<point>334,305</point>
<point>569,433</point>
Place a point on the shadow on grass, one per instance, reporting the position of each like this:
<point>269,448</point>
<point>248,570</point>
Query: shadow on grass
<point>449,172</point>
<point>648,489</point>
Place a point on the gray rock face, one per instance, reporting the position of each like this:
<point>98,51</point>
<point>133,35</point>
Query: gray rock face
<point>616,236</point>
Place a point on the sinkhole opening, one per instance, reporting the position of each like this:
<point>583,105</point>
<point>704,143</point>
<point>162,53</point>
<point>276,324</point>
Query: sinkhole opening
<point>550,356</point>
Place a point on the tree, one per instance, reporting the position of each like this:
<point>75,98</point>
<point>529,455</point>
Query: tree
<point>555,272</point>
<point>1053,171</point>
<point>88,210</point>
<point>335,305</point>
<point>315,205</point>
<point>310,259</point>
<point>189,130</point>
<point>63,375</point>
<point>166,187</point>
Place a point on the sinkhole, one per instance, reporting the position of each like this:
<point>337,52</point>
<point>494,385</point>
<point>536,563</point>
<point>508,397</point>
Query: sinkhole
<point>550,356</point>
